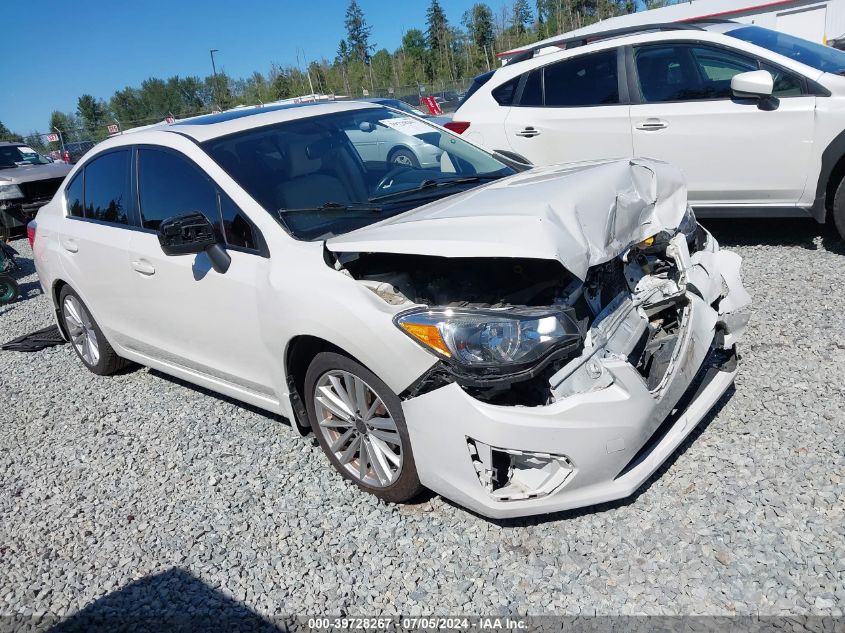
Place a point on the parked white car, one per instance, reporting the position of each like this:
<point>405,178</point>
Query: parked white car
<point>520,342</point>
<point>754,118</point>
<point>400,141</point>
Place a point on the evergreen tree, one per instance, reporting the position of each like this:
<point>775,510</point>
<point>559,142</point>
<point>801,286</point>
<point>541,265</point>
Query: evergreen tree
<point>92,112</point>
<point>7,135</point>
<point>342,53</point>
<point>358,33</point>
<point>521,17</point>
<point>479,23</point>
<point>438,40</point>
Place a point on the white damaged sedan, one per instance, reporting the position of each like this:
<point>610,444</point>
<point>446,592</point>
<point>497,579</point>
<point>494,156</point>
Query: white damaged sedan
<point>519,341</point>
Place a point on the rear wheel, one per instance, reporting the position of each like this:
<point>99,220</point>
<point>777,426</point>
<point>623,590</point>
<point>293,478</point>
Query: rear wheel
<point>359,424</point>
<point>838,211</point>
<point>87,339</point>
<point>403,157</point>
<point>9,290</point>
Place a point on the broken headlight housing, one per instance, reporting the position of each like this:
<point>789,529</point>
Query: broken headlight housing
<point>688,226</point>
<point>498,341</point>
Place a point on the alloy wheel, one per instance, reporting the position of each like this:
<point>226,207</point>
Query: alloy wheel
<point>80,327</point>
<point>403,159</point>
<point>358,428</point>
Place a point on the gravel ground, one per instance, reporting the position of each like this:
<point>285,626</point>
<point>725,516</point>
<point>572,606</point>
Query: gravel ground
<point>220,507</point>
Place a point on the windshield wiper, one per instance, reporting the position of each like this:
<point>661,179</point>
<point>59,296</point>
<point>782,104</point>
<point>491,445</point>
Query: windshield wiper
<point>335,206</point>
<point>433,184</point>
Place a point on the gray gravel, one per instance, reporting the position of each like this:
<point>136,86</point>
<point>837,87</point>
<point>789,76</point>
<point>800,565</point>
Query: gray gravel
<point>106,481</point>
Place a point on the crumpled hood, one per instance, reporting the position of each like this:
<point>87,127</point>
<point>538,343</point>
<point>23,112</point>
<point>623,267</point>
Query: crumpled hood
<point>28,173</point>
<point>581,214</point>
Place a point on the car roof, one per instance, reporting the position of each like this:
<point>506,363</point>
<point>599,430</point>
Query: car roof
<point>613,39</point>
<point>12,144</point>
<point>207,127</point>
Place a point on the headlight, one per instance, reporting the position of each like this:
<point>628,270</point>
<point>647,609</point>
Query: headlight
<point>500,339</point>
<point>10,192</point>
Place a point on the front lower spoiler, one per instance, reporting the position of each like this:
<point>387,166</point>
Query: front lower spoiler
<point>612,438</point>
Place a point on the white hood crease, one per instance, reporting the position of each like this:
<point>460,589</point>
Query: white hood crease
<point>582,215</point>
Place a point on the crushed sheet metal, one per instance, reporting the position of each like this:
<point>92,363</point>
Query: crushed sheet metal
<point>581,215</point>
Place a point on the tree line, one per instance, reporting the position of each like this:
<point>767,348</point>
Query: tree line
<point>441,55</point>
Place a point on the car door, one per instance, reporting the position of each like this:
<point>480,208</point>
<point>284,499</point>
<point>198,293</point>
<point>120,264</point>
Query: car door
<point>95,238</point>
<point>571,110</point>
<point>732,151</point>
<point>186,314</point>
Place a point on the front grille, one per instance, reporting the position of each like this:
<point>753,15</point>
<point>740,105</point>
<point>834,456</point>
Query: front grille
<point>40,190</point>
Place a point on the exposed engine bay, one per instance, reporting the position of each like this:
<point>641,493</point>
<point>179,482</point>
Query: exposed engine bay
<point>633,307</point>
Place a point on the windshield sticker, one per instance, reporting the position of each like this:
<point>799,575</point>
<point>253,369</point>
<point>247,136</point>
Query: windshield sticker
<point>23,149</point>
<point>408,125</point>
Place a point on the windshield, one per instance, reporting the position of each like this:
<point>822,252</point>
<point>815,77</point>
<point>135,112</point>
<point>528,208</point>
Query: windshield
<point>327,175</point>
<point>19,155</point>
<point>817,56</point>
<point>401,105</point>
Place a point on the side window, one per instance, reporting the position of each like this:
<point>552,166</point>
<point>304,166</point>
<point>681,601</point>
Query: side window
<point>666,74</point>
<point>717,66</point>
<point>785,83</point>
<point>504,93</point>
<point>582,81</point>
<point>73,196</point>
<point>532,91</point>
<point>688,73</point>
<point>107,188</point>
<point>236,228</point>
<point>169,185</point>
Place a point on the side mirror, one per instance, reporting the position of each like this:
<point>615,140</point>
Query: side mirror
<point>190,234</point>
<point>756,83</point>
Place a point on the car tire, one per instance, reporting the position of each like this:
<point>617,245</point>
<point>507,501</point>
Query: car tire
<point>377,436</point>
<point>838,211</point>
<point>402,156</point>
<point>9,289</point>
<point>86,337</point>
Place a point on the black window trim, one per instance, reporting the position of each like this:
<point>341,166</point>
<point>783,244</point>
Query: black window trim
<point>622,80</point>
<point>130,225</point>
<point>809,88</point>
<point>261,248</point>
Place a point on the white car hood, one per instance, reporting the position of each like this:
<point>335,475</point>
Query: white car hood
<point>581,215</point>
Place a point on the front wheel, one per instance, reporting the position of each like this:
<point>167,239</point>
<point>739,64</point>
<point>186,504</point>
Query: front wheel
<point>838,211</point>
<point>9,290</point>
<point>359,424</point>
<point>87,339</point>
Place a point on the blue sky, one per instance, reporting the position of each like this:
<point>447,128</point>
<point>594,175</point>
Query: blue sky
<point>52,52</point>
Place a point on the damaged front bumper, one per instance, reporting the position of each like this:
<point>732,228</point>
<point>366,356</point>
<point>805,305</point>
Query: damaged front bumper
<point>612,419</point>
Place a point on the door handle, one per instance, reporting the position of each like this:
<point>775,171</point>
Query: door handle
<point>528,132</point>
<point>145,268</point>
<point>652,124</point>
<point>70,246</point>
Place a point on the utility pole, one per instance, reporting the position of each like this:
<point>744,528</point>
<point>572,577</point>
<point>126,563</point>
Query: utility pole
<point>214,71</point>
<point>61,141</point>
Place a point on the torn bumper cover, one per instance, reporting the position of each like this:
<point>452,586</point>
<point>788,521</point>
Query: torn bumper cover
<point>617,411</point>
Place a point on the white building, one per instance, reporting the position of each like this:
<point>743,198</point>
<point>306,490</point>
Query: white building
<point>813,20</point>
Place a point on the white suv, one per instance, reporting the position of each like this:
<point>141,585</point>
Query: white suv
<point>754,118</point>
<point>519,342</point>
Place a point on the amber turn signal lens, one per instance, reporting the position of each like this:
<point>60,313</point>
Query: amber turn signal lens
<point>429,335</point>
